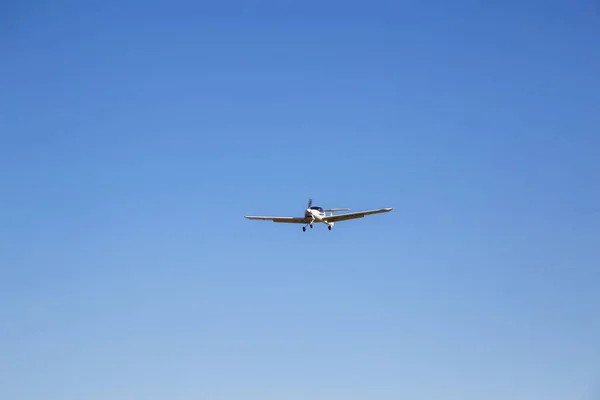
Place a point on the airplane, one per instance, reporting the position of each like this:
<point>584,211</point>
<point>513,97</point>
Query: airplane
<point>316,214</point>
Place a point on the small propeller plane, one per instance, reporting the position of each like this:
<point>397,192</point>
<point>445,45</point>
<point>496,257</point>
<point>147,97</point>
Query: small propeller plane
<point>315,214</point>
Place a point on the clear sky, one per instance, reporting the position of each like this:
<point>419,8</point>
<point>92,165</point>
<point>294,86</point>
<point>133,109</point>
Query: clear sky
<point>135,136</point>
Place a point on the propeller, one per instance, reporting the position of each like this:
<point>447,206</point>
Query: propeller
<point>309,203</point>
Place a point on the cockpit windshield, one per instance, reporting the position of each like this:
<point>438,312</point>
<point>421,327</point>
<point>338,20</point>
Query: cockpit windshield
<point>320,209</point>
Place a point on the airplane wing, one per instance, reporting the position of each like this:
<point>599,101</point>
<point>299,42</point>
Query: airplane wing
<point>354,215</point>
<point>289,220</point>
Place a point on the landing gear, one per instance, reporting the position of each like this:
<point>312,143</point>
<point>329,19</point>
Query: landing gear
<point>308,223</point>
<point>311,226</point>
<point>329,227</point>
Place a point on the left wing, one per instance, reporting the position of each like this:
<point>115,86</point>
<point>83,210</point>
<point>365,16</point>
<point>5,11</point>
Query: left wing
<point>354,215</point>
<point>289,220</point>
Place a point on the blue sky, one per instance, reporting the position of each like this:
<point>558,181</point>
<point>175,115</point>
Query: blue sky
<point>134,137</point>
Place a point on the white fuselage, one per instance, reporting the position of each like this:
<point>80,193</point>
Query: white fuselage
<point>315,215</point>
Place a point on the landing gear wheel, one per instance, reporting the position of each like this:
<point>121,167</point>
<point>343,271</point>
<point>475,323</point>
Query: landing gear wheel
<point>311,226</point>
<point>329,227</point>
<point>303,229</point>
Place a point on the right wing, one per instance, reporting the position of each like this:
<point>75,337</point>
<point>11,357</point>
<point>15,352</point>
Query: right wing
<point>289,220</point>
<point>354,215</point>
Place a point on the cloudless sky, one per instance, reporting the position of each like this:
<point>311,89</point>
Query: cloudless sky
<point>135,136</point>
